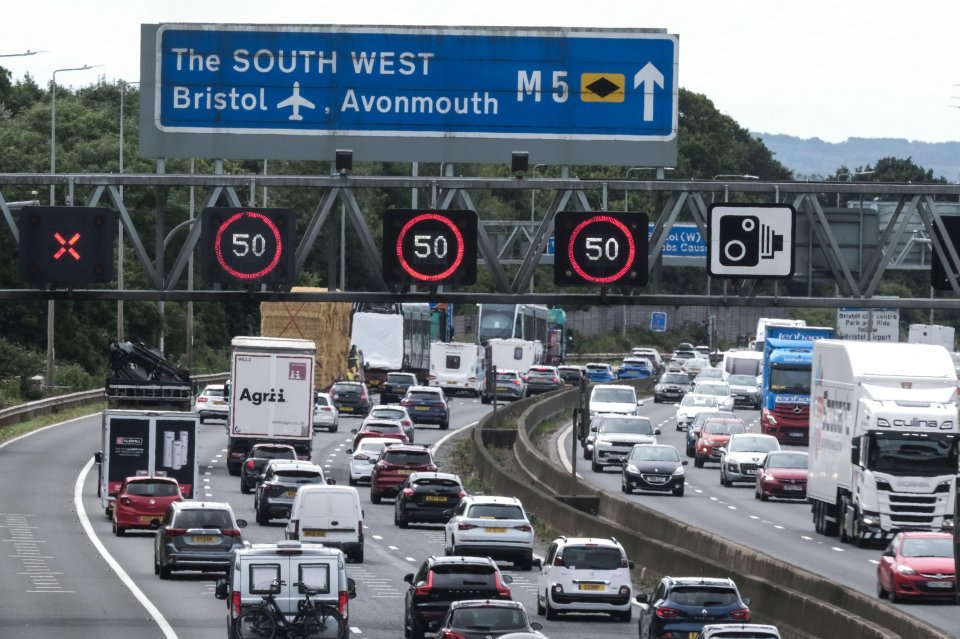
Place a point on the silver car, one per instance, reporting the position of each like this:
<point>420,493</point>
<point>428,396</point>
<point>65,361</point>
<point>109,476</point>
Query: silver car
<point>743,454</point>
<point>614,436</point>
<point>325,414</point>
<point>363,459</point>
<point>720,390</point>
<point>196,535</point>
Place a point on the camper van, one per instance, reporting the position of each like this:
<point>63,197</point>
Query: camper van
<point>457,367</point>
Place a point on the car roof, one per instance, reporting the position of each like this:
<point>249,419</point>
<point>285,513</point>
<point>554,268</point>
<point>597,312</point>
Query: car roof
<point>431,389</point>
<point>582,541</point>
<point>460,559</point>
<point>623,386</point>
<point>703,581</point>
<point>262,445</point>
<point>381,422</point>
<point>350,382</point>
<point>410,448</point>
<point>507,370</point>
<point>165,478</point>
<point>389,441</point>
<point>434,475</point>
<point>202,505</point>
<point>213,387</point>
<point>492,499</point>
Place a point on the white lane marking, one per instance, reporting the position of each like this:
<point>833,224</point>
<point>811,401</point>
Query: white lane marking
<point>874,561</point>
<point>754,517</point>
<point>152,610</point>
<point>355,630</point>
<point>805,538</point>
<point>732,507</point>
<point>393,548</point>
<point>837,549</point>
<point>562,452</point>
<point>778,526</point>
<point>410,559</point>
<point>377,537</point>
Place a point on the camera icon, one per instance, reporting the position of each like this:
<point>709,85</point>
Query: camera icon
<point>744,241</point>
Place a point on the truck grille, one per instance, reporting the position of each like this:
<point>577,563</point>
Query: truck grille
<point>787,415</point>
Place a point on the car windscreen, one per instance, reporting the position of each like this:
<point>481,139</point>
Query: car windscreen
<point>382,428</point>
<point>344,389</point>
<point>370,449</point>
<point>407,457</point>
<point>701,596</point>
<point>213,392</point>
<point>489,618</point>
<point>321,401</point>
<point>536,373</point>
<point>753,444</point>
<point>614,395</point>
<point>298,476</point>
<point>152,488</point>
<point>699,400</point>
<point>507,376</point>
<point>274,453</point>
<point>742,380</point>
<point>654,453</point>
<point>633,426</point>
<point>927,547</point>
<point>463,575</point>
<point>595,558</point>
<point>424,396</point>
<point>495,511</point>
<point>723,428</point>
<point>388,413</point>
<point>436,482</point>
<point>713,389</point>
<point>399,378</point>
<point>202,518</point>
<point>675,378</point>
<point>786,460</point>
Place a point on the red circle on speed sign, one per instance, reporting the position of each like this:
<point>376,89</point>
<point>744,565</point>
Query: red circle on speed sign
<point>256,231</point>
<point>627,235</point>
<point>458,240</point>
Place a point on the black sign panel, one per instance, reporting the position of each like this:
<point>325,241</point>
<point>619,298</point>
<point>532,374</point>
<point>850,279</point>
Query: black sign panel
<point>600,249</point>
<point>938,270</point>
<point>430,247</point>
<point>127,450</point>
<point>67,244</point>
<point>250,246</point>
<point>175,451</point>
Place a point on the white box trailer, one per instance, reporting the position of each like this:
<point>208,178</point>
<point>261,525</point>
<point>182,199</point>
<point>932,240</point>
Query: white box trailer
<point>271,395</point>
<point>137,442</point>
<point>457,367</point>
<point>883,439</point>
<point>515,354</point>
<point>932,334</point>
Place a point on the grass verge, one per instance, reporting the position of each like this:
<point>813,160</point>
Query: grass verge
<point>15,430</point>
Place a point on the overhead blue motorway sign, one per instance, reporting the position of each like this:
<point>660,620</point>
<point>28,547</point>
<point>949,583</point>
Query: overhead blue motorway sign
<point>683,240</point>
<point>565,96</point>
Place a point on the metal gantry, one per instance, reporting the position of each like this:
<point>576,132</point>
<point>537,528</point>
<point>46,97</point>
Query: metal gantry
<point>521,242</point>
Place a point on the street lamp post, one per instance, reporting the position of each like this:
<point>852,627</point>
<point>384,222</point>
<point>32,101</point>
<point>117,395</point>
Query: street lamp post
<point>659,169</point>
<point>123,91</point>
<point>533,202</point>
<point>20,55</point>
<point>53,124</point>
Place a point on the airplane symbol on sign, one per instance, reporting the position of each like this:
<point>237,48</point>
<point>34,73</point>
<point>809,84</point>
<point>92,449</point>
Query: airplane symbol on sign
<point>66,246</point>
<point>296,101</point>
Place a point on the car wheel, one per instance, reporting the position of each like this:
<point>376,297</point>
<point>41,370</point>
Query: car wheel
<point>540,609</point>
<point>374,497</point>
<point>333,428</point>
<point>595,467</point>
<point>586,453</point>
<point>881,591</point>
<point>351,480</point>
<point>624,616</point>
<point>624,487</point>
<point>165,572</point>
<point>156,566</point>
<point>416,630</point>
<point>244,488</point>
<point>763,497</point>
<point>892,595</point>
<point>445,425</point>
<point>689,451</point>
<point>724,481</point>
<point>262,519</point>
<point>551,614</point>
<point>399,521</point>
<point>698,462</point>
<point>358,556</point>
<point>117,530</point>
<point>678,492</point>
<point>526,564</point>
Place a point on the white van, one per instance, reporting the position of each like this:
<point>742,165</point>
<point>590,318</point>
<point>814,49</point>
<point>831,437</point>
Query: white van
<point>261,569</point>
<point>456,366</point>
<point>742,363</point>
<point>330,515</point>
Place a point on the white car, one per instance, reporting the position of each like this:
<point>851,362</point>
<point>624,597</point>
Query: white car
<point>692,404</point>
<point>742,455</point>
<point>585,574</point>
<point>325,414</point>
<point>211,403</point>
<point>394,413</point>
<point>614,398</point>
<point>720,390</point>
<point>614,437</point>
<point>486,526</point>
<point>363,459</point>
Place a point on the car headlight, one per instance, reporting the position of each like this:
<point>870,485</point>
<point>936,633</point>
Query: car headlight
<point>632,469</point>
<point>678,472</point>
<point>905,570</point>
<point>769,478</point>
<point>658,388</point>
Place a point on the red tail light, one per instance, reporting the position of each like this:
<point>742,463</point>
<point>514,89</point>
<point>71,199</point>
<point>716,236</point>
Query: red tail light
<point>558,560</point>
<point>556,379</point>
<point>406,402</point>
<point>526,378</point>
<point>201,400</point>
<point>326,409</point>
<point>740,615</point>
<point>342,599</point>
<point>425,589</point>
<point>516,382</point>
<point>465,526</point>
<point>250,464</point>
<point>502,590</point>
<point>406,422</point>
<point>408,492</point>
<point>462,494</point>
<point>624,563</point>
<point>236,602</point>
<point>667,613</point>
<point>230,532</point>
<point>450,634</point>
<point>173,532</point>
<point>524,528</point>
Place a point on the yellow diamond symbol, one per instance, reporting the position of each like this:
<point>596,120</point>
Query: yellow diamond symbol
<point>602,87</point>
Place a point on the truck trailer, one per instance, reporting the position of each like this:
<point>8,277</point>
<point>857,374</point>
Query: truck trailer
<point>787,351</point>
<point>883,451</point>
<point>271,396</point>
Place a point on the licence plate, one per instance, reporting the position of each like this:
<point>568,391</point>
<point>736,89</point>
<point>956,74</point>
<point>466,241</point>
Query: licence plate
<point>749,471</point>
<point>314,533</point>
<point>346,409</point>
<point>657,480</point>
<point>939,584</point>
<point>793,487</point>
<point>291,493</point>
<point>591,586</point>
<point>404,472</point>
<point>449,382</point>
<point>496,530</point>
<point>795,434</point>
<point>204,539</point>
<point>148,518</point>
<point>436,498</point>
<point>693,635</point>
<point>421,408</point>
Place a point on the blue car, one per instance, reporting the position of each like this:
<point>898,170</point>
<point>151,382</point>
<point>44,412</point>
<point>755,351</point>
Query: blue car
<point>635,368</point>
<point>599,373</point>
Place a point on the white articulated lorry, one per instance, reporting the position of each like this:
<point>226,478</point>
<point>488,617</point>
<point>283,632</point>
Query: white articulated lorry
<point>271,395</point>
<point>883,439</point>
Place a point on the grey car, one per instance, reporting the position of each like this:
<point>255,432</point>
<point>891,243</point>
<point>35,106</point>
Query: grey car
<point>745,390</point>
<point>281,479</point>
<point>196,535</point>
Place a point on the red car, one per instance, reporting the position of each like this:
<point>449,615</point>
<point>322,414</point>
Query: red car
<point>713,436</point>
<point>395,464</point>
<point>917,565</point>
<point>783,474</point>
<point>391,428</point>
<point>142,501</point>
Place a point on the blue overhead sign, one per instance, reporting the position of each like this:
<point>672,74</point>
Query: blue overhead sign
<point>683,240</point>
<point>460,94</point>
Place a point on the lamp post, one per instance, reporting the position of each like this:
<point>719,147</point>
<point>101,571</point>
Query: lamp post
<point>20,55</point>
<point>123,91</point>
<point>53,171</point>
<point>53,124</point>
<point>658,169</point>
<point>533,201</point>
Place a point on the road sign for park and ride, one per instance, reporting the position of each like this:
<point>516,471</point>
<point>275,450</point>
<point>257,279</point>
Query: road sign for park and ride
<point>563,95</point>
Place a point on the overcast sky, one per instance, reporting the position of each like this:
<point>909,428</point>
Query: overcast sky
<point>810,68</point>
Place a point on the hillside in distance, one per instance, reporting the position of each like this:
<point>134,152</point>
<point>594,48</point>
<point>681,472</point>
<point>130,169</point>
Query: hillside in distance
<point>812,158</point>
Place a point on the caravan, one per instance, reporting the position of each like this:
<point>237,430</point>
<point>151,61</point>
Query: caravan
<point>457,367</point>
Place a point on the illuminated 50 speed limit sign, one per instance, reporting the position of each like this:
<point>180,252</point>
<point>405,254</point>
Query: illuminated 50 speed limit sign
<point>600,249</point>
<point>248,245</point>
<point>429,247</point>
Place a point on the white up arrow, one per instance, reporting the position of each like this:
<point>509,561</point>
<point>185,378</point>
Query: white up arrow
<point>648,76</point>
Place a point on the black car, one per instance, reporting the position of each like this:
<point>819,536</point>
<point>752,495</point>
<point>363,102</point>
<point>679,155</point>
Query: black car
<point>442,580</point>
<point>671,387</point>
<point>428,497</point>
<point>655,467</point>
<point>395,387</point>
<point>256,461</point>
<point>483,619</point>
<point>682,606</point>
<point>570,374</point>
<point>281,479</point>
<point>693,431</point>
<point>542,379</point>
<point>351,398</point>
<point>509,386</point>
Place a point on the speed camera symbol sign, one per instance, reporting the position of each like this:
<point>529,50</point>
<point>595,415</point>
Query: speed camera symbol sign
<point>750,240</point>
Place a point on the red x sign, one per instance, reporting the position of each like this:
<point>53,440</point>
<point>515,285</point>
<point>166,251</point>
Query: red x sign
<point>66,246</point>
